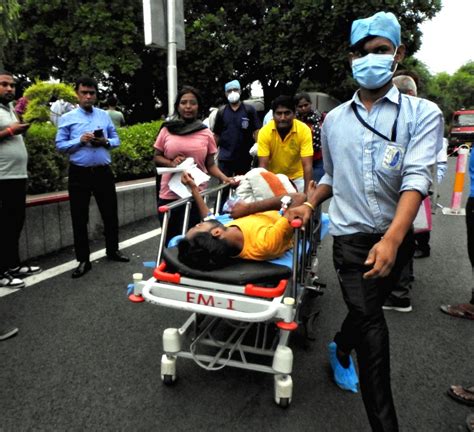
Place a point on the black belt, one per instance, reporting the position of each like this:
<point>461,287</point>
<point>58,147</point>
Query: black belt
<point>94,168</point>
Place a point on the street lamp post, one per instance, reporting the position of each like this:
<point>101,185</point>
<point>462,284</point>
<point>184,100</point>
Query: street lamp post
<point>172,69</point>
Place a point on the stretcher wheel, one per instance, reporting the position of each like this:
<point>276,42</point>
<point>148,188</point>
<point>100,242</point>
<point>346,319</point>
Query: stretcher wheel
<point>168,379</point>
<point>283,390</point>
<point>168,369</point>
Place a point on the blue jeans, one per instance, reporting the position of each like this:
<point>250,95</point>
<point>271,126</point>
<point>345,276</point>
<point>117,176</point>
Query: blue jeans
<point>318,170</point>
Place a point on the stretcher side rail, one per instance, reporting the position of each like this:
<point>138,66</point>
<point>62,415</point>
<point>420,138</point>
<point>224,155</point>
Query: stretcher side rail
<point>230,306</point>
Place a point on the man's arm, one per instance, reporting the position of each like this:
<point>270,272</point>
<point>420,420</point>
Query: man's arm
<point>255,135</point>
<point>307,170</point>
<point>263,148</point>
<point>241,208</point>
<point>256,124</point>
<point>187,180</point>
<point>315,195</point>
<point>13,129</point>
<point>263,161</point>
<point>383,254</point>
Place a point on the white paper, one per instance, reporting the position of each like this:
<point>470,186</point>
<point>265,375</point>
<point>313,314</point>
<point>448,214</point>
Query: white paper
<point>183,166</point>
<point>179,188</point>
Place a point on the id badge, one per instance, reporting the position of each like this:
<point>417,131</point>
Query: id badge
<point>245,123</point>
<point>393,157</point>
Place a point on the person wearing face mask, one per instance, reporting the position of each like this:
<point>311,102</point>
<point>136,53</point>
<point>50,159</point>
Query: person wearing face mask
<point>235,130</point>
<point>378,151</point>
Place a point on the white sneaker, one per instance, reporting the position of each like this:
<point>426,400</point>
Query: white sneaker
<point>24,271</point>
<point>8,281</point>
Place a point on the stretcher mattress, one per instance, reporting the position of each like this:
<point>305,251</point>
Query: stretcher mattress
<point>240,272</point>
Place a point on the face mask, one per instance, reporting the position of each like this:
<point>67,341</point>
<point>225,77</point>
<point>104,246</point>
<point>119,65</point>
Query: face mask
<point>233,97</point>
<point>373,70</point>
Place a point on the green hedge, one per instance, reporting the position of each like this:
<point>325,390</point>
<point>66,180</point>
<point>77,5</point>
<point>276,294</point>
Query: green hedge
<point>47,168</point>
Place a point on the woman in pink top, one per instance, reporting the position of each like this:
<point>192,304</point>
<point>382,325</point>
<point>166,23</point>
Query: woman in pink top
<point>186,136</point>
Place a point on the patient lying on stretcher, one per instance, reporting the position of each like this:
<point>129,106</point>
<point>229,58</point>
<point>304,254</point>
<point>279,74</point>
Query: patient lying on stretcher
<point>259,232</point>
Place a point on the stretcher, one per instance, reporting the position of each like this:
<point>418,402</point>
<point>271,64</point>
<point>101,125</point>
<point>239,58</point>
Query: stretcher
<point>240,316</point>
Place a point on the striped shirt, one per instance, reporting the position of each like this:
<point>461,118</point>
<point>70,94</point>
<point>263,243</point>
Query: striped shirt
<point>367,173</point>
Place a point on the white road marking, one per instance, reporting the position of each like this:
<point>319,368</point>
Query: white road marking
<point>55,271</point>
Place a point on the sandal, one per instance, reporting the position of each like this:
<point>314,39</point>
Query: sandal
<point>470,422</point>
<point>8,281</point>
<point>463,310</point>
<point>464,395</point>
<point>24,270</point>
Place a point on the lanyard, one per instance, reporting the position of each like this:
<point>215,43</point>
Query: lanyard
<point>375,131</point>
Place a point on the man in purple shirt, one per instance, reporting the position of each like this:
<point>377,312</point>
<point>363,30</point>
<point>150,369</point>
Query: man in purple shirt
<point>86,134</point>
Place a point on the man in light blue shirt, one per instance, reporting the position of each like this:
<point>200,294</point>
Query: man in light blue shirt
<point>378,151</point>
<point>86,134</point>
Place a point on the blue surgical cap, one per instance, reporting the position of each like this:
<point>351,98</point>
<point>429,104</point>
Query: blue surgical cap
<point>232,85</point>
<point>383,24</point>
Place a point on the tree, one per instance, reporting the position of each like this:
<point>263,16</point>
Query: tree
<point>39,96</point>
<point>453,92</point>
<point>64,39</point>
<point>9,12</point>
<point>281,43</point>
<point>277,42</point>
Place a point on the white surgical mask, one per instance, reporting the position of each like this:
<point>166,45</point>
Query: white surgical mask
<point>373,70</point>
<point>233,97</point>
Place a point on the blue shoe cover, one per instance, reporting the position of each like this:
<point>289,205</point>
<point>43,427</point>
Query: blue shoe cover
<point>346,378</point>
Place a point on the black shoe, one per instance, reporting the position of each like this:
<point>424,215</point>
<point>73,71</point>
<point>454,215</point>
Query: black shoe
<point>118,256</point>
<point>421,254</point>
<point>81,269</point>
<point>397,304</point>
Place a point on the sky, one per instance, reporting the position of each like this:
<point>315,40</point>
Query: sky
<point>447,41</point>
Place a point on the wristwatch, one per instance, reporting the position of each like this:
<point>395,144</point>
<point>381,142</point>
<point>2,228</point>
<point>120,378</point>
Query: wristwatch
<point>285,203</point>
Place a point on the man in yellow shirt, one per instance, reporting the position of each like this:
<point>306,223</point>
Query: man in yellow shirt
<point>261,234</point>
<point>285,145</point>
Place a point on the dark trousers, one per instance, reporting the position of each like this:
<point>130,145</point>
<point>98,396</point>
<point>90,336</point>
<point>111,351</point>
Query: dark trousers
<point>12,218</point>
<point>364,328</point>
<point>175,224</point>
<point>239,166</point>
<point>422,241</point>
<point>84,182</point>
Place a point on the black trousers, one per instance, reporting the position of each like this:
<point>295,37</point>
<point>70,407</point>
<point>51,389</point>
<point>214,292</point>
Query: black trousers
<point>422,241</point>
<point>364,328</point>
<point>12,218</point>
<point>84,182</point>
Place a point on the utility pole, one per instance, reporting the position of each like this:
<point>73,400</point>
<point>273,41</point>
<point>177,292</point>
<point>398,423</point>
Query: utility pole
<point>172,69</point>
<point>164,28</point>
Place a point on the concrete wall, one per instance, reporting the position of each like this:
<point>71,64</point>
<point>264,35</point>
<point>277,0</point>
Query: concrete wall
<point>48,225</point>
